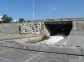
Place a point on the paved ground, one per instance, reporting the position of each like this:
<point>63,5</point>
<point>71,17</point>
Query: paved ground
<point>18,55</point>
<point>72,40</point>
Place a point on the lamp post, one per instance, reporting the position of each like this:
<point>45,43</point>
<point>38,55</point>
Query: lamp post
<point>33,9</point>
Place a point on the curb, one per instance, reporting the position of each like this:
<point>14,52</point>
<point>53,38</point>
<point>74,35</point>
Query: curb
<point>73,50</point>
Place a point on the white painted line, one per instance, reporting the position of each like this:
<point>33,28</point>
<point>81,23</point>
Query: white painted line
<point>33,57</point>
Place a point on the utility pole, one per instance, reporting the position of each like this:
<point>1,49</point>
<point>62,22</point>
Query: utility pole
<point>33,9</point>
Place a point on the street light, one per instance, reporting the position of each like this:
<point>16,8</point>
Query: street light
<point>33,9</point>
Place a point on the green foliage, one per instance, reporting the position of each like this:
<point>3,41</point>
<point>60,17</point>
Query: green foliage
<point>6,19</point>
<point>21,20</point>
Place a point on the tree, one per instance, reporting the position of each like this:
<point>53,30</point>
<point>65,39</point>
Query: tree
<point>6,19</point>
<point>11,19</point>
<point>21,20</point>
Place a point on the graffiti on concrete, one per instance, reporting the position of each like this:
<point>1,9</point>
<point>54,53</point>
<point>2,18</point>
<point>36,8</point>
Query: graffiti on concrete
<point>30,28</point>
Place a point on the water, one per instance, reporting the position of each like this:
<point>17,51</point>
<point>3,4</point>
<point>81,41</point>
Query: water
<point>52,40</point>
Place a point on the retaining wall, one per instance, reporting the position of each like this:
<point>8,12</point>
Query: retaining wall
<point>9,28</point>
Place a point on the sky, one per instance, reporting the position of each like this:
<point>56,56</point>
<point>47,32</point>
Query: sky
<point>44,9</point>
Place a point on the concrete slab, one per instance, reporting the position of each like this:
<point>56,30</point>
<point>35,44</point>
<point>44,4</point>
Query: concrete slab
<point>76,40</point>
<point>31,47</point>
<point>73,50</point>
<point>19,55</point>
<point>82,50</point>
<point>51,48</point>
<point>57,49</point>
<point>17,45</point>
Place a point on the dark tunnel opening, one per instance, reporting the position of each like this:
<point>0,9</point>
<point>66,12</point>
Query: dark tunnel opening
<point>59,27</point>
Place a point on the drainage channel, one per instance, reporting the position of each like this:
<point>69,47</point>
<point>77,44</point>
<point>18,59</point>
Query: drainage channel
<point>52,40</point>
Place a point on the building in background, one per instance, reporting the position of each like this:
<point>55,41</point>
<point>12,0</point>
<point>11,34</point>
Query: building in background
<point>1,19</point>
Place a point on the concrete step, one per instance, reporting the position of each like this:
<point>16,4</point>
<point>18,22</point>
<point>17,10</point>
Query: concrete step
<point>10,37</point>
<point>72,50</point>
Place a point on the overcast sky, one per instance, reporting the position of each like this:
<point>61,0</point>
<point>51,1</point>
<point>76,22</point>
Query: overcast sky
<point>44,9</point>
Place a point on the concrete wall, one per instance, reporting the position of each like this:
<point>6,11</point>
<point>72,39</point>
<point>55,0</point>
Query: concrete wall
<point>16,28</point>
<point>36,28</point>
<point>78,28</point>
<point>31,28</point>
<point>9,28</point>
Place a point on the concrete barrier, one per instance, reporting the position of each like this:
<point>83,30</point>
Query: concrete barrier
<point>54,49</point>
<point>43,48</point>
<point>9,28</point>
<point>45,32</point>
<point>73,50</point>
<point>18,45</point>
<point>33,39</point>
<point>57,49</point>
<point>31,47</point>
<point>82,50</point>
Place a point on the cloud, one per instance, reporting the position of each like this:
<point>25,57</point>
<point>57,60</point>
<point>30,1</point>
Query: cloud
<point>0,16</point>
<point>15,20</point>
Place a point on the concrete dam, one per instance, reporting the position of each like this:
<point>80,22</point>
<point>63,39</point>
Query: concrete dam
<point>65,37</point>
